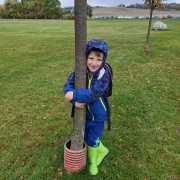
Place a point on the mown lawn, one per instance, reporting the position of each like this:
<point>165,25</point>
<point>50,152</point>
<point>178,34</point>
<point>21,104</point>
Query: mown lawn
<point>35,59</point>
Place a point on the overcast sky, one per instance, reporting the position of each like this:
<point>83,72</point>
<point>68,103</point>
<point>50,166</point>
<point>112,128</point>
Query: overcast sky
<point>66,3</point>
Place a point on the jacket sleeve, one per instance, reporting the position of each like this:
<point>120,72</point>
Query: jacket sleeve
<point>69,85</point>
<point>100,88</point>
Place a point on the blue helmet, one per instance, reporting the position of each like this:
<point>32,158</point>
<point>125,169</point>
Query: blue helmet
<point>99,45</point>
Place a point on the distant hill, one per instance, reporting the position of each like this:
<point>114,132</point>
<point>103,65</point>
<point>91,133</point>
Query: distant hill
<point>122,11</point>
<point>168,6</point>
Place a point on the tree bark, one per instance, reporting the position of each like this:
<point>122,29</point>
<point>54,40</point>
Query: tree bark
<point>149,26</point>
<point>77,139</point>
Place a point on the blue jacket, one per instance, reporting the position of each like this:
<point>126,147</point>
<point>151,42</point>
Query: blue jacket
<point>95,95</point>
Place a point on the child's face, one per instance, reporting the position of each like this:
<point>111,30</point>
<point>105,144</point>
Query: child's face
<point>94,62</point>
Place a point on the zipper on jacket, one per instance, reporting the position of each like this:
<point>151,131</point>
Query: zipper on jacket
<point>89,83</point>
<point>89,86</point>
<point>103,103</point>
<point>90,112</point>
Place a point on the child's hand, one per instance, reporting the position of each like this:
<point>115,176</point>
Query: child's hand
<point>79,105</point>
<point>69,95</point>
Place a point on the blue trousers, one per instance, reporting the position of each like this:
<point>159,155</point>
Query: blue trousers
<point>93,131</point>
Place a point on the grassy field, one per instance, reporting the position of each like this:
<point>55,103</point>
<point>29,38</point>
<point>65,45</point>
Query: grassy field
<point>35,59</point>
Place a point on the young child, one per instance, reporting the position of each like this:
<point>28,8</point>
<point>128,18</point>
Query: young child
<point>95,97</point>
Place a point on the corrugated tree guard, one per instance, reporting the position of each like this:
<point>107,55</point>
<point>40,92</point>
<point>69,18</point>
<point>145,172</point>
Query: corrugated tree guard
<point>75,149</point>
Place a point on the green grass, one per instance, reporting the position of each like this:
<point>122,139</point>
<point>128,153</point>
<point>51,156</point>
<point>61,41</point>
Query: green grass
<point>35,59</point>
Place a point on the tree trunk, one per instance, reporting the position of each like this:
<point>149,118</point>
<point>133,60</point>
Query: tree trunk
<point>77,139</point>
<point>149,26</point>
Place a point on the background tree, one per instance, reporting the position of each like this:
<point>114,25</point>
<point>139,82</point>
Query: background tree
<point>52,9</point>
<point>152,4</point>
<point>1,11</point>
<point>89,11</point>
<point>10,8</point>
<point>32,9</point>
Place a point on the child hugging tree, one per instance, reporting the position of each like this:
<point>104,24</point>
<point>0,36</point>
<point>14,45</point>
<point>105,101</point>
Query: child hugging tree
<point>95,98</point>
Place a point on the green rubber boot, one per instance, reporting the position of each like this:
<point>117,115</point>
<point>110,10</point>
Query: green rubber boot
<point>92,156</point>
<point>102,153</point>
